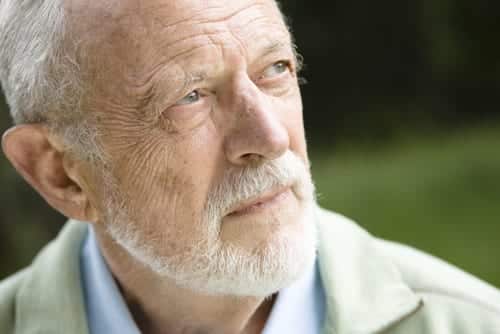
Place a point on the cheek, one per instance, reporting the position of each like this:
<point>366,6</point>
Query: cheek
<point>167,181</point>
<point>160,190</point>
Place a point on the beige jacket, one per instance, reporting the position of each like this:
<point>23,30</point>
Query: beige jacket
<point>371,286</point>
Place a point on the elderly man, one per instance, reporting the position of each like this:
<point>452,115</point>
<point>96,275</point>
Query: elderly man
<point>170,133</point>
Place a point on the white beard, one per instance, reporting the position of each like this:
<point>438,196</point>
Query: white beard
<point>214,267</point>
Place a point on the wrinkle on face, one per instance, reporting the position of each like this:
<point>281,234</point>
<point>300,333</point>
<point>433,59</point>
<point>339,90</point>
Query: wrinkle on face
<point>190,12</point>
<point>147,55</point>
<point>135,43</point>
<point>144,69</point>
<point>143,59</point>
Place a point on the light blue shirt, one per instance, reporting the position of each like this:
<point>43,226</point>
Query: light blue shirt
<point>298,309</point>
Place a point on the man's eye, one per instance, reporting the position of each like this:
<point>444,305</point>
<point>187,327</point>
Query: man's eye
<point>191,98</point>
<point>276,69</point>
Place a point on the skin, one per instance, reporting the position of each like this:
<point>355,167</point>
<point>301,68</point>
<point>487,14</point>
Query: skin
<point>165,150</point>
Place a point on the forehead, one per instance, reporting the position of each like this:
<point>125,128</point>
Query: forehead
<point>125,26</point>
<point>126,45</point>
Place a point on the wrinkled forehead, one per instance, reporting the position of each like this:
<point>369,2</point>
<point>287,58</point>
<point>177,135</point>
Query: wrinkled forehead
<point>134,36</point>
<point>117,20</point>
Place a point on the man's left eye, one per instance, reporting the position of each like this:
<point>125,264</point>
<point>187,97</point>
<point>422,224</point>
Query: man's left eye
<point>276,69</point>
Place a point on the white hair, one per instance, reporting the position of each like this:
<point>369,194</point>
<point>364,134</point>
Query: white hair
<point>39,73</point>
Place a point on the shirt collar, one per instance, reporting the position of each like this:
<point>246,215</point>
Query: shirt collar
<point>106,309</point>
<point>299,308</point>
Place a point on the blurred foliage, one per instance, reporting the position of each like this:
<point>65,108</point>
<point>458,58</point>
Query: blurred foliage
<point>440,193</point>
<point>438,58</point>
<point>399,96</point>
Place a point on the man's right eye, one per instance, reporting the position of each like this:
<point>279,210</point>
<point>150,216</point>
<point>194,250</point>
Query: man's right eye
<point>191,98</point>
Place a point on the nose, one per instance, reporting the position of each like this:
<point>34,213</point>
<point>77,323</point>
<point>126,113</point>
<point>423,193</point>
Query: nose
<point>257,133</point>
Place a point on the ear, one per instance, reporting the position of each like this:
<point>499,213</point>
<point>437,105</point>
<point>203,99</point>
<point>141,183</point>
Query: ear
<point>45,166</point>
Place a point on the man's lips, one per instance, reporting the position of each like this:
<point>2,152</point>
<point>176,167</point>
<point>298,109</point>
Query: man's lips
<point>256,202</point>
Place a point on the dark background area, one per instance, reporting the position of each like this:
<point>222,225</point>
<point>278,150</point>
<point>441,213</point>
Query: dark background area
<point>375,67</point>
<point>403,93</point>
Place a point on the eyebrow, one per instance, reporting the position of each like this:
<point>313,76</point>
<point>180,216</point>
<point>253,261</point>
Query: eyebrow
<point>274,46</point>
<point>193,79</point>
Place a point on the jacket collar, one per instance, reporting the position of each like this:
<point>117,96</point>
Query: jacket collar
<point>365,292</point>
<point>50,299</point>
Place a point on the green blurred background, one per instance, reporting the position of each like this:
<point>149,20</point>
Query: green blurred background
<point>402,119</point>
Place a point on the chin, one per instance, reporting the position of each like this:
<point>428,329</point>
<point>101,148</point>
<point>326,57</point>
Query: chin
<point>281,258</point>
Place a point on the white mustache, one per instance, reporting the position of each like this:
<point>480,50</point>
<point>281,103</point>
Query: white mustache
<point>249,182</point>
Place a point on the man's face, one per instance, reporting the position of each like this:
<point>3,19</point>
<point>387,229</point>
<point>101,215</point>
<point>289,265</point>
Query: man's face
<point>200,117</point>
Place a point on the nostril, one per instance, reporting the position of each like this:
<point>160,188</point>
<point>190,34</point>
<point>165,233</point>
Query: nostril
<point>247,156</point>
<point>251,158</point>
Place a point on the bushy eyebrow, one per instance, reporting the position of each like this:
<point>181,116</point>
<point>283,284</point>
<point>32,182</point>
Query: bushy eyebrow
<point>274,46</point>
<point>192,79</point>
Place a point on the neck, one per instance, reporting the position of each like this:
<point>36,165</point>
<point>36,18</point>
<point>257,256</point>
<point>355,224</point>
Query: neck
<point>158,305</point>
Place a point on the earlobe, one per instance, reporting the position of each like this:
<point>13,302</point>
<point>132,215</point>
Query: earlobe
<point>36,157</point>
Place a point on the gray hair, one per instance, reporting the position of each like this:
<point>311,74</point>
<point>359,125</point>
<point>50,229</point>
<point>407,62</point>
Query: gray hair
<point>39,72</point>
